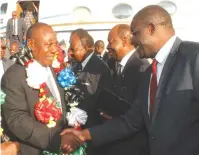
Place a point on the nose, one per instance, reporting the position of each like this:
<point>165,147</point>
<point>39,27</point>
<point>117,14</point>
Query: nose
<point>54,48</point>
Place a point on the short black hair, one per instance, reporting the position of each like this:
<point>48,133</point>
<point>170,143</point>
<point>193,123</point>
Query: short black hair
<point>100,43</point>
<point>85,37</point>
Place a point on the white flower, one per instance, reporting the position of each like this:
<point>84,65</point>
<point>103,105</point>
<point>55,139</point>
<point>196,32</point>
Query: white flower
<point>55,63</point>
<point>36,75</point>
<point>76,117</point>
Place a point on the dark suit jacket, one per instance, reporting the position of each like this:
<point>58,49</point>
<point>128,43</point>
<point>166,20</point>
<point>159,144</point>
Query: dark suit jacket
<point>18,115</point>
<point>21,29</point>
<point>126,86</point>
<point>97,75</point>
<point>173,129</point>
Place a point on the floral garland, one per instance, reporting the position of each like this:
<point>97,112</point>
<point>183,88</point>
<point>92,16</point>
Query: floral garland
<point>48,110</point>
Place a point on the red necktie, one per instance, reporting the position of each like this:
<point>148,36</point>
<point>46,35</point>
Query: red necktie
<point>153,85</point>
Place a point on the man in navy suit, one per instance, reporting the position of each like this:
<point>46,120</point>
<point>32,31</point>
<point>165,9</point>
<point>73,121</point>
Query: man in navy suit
<point>168,101</point>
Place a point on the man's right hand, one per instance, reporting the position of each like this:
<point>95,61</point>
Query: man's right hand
<point>70,142</point>
<point>78,138</point>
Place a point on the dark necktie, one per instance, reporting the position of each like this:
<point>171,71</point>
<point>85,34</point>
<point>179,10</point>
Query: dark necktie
<point>153,85</point>
<point>78,68</point>
<point>119,69</point>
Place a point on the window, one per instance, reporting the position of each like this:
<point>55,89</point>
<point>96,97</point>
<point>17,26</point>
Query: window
<point>169,6</point>
<point>82,13</point>
<point>122,11</point>
<point>4,8</point>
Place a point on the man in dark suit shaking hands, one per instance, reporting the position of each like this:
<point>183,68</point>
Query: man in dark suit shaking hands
<point>168,99</point>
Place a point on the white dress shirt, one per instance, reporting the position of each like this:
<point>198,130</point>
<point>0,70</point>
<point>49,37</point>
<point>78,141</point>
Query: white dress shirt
<point>125,59</point>
<point>52,85</point>
<point>161,58</point>
<point>15,25</point>
<point>102,54</point>
<point>86,60</point>
<point>50,81</point>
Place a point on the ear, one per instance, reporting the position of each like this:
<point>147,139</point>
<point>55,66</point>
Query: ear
<point>151,28</point>
<point>86,47</point>
<point>30,43</point>
<point>124,41</point>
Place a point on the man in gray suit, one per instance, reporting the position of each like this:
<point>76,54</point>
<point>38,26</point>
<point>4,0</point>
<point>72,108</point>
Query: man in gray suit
<point>168,101</point>
<point>15,30</point>
<point>18,115</point>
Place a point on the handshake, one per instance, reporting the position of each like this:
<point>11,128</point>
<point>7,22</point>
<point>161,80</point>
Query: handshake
<point>72,139</point>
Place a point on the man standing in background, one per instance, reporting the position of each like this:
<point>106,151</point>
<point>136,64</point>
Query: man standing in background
<point>104,55</point>
<point>15,30</point>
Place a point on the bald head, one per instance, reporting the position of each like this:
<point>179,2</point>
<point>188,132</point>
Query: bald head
<point>36,29</point>
<point>154,14</point>
<point>42,40</point>
<point>151,27</point>
<point>123,31</point>
<point>119,41</point>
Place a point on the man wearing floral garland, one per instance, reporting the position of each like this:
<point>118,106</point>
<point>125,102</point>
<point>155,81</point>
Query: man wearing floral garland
<point>34,110</point>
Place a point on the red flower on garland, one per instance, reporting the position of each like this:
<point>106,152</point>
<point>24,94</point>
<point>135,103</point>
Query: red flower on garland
<point>46,110</point>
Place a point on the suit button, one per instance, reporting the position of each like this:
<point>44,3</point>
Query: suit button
<point>153,138</point>
<point>125,88</point>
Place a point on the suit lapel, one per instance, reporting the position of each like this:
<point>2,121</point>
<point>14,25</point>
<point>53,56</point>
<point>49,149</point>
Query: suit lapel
<point>145,89</point>
<point>129,62</point>
<point>165,74</point>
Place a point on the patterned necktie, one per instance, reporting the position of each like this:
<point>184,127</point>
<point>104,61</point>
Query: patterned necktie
<point>153,85</point>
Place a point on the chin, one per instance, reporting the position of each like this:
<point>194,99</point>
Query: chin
<point>48,63</point>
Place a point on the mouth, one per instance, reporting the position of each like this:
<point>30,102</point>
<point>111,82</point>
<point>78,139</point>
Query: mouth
<point>50,58</point>
<point>110,51</point>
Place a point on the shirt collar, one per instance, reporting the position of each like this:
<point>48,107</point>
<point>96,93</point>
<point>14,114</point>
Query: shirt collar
<point>86,60</point>
<point>165,50</point>
<point>126,58</point>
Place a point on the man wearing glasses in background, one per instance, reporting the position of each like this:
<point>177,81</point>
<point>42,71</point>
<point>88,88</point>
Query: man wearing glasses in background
<point>15,30</point>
